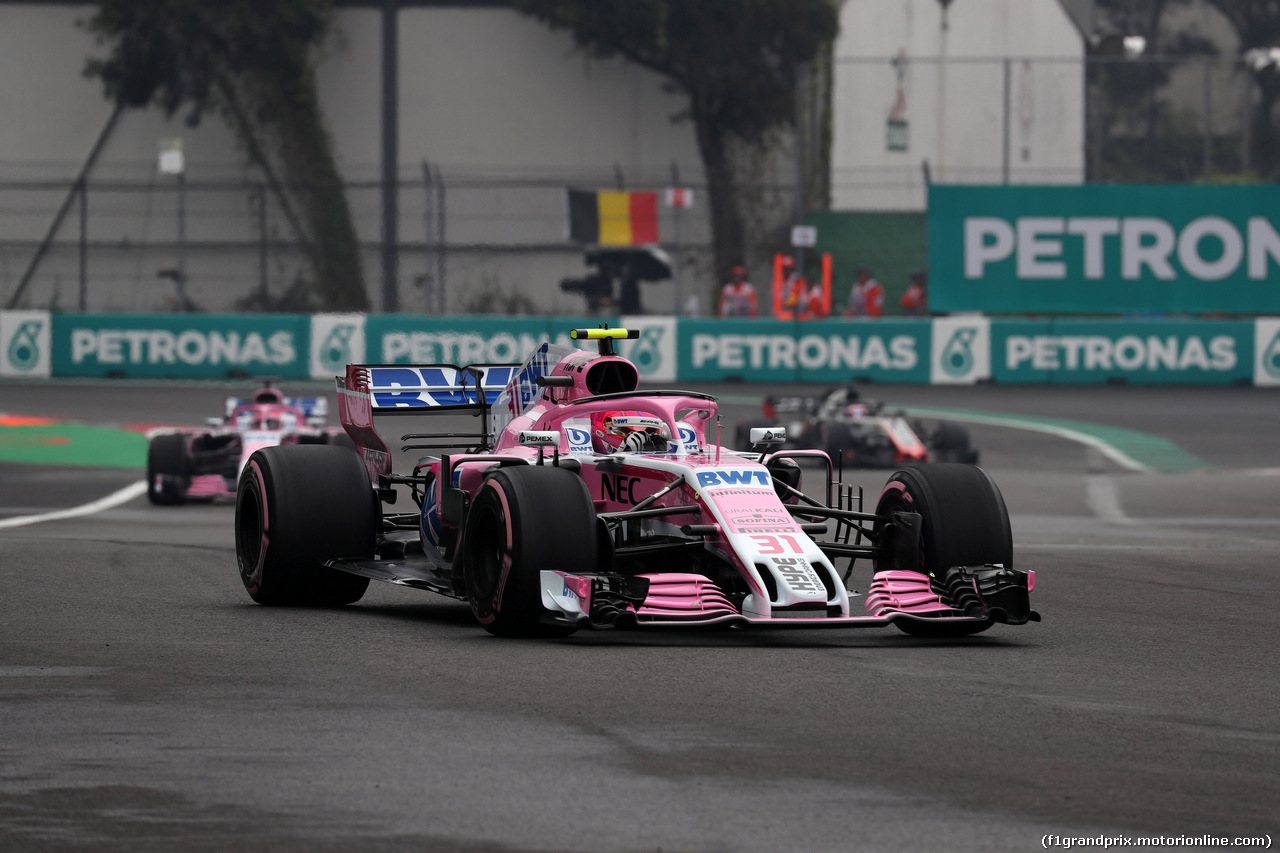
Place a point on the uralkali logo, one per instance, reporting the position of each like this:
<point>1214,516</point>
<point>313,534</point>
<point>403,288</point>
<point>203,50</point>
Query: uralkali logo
<point>190,347</point>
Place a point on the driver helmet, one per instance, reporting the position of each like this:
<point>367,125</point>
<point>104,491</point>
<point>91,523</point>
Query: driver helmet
<point>857,410</point>
<point>613,432</point>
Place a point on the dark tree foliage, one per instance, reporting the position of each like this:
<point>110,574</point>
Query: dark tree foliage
<point>737,61</point>
<point>1257,24</point>
<point>253,62</point>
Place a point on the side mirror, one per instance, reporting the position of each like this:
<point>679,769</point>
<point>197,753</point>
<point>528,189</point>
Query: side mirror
<point>539,438</point>
<point>768,436</point>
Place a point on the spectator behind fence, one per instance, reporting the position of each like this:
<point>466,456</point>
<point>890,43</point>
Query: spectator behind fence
<point>915,301</point>
<point>738,297</point>
<point>866,297</point>
<point>803,295</point>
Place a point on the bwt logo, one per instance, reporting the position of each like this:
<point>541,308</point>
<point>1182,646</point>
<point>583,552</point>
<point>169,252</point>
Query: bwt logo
<point>740,477</point>
<point>577,437</point>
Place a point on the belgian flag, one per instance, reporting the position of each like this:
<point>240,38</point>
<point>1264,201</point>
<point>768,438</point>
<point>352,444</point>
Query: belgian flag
<point>613,218</point>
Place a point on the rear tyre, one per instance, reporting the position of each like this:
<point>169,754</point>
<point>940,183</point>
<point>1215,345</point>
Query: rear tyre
<point>339,439</point>
<point>951,444</point>
<point>168,469</point>
<point>524,520</point>
<point>297,506</point>
<point>963,522</point>
<point>835,439</point>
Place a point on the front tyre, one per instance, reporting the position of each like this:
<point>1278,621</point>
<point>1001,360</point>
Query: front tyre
<point>963,522</point>
<point>297,506</point>
<point>524,520</point>
<point>168,469</point>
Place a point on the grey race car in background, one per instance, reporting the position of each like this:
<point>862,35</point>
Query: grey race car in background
<point>859,432</point>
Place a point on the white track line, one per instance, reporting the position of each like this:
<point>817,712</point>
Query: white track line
<point>114,499</point>
<point>1108,450</point>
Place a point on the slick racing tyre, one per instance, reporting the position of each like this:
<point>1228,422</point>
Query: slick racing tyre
<point>523,520</point>
<point>963,522</point>
<point>836,440</point>
<point>297,506</point>
<point>168,469</point>
<point>951,444</point>
<point>339,439</point>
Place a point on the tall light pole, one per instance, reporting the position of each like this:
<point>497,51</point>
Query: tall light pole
<point>390,155</point>
<point>942,92</point>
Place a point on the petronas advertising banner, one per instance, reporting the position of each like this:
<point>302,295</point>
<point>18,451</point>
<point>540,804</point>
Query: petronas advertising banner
<point>1083,352</point>
<point>831,351</point>
<point>1105,249</point>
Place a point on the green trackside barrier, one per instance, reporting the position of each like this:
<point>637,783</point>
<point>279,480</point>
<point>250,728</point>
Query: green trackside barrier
<point>180,346</point>
<point>1083,352</point>
<point>827,351</point>
<point>1105,250</point>
<point>960,348</point>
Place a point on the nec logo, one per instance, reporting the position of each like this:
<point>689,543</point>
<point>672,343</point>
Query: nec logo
<point>732,478</point>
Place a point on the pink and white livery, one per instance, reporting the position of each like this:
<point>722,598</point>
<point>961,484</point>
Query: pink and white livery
<point>579,501</point>
<point>189,463</point>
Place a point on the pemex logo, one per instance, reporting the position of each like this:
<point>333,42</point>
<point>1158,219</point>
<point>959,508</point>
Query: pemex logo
<point>1271,358</point>
<point>335,349</point>
<point>24,346</point>
<point>956,358</point>
<point>646,353</point>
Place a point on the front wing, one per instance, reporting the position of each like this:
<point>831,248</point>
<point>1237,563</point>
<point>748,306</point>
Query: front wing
<point>980,595</point>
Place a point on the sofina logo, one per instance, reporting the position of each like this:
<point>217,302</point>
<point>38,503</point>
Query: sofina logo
<point>1266,363</point>
<point>336,341</point>
<point>961,350</point>
<point>654,352</point>
<point>24,343</point>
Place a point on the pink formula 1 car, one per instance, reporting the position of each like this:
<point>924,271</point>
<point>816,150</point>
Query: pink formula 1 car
<point>581,502</point>
<point>205,462</point>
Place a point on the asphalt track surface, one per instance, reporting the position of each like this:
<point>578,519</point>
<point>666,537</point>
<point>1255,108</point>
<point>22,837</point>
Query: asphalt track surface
<point>147,704</point>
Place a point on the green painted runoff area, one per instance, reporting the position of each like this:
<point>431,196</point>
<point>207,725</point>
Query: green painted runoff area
<point>1149,451</point>
<point>82,445</point>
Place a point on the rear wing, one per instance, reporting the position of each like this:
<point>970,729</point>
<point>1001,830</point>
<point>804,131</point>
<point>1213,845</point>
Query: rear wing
<point>369,389</point>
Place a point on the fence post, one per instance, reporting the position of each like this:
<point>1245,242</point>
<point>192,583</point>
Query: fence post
<point>260,196</point>
<point>84,244</point>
